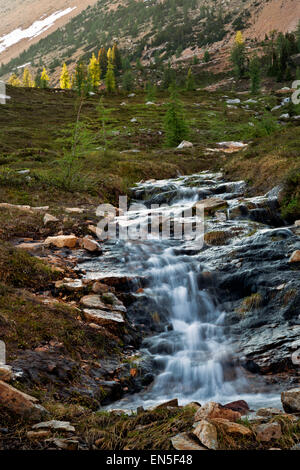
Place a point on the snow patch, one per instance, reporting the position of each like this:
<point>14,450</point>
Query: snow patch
<point>37,28</point>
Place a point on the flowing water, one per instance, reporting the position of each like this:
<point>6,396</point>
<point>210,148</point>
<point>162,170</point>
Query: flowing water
<point>192,355</point>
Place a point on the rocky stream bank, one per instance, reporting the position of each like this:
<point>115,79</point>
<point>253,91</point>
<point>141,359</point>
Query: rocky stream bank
<point>90,327</point>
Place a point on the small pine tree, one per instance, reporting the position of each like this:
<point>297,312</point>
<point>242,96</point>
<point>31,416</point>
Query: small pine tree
<point>14,80</point>
<point>238,55</point>
<point>64,81</point>
<point>175,125</point>
<point>128,81</point>
<point>255,75</point>
<point>44,81</point>
<point>27,79</point>
<point>168,76</point>
<point>206,56</point>
<point>110,81</point>
<point>150,92</point>
<point>80,77</point>
<point>190,82</point>
<point>102,59</point>
<point>94,72</point>
<point>116,57</point>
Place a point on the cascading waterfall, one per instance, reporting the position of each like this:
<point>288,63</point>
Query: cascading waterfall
<point>192,357</point>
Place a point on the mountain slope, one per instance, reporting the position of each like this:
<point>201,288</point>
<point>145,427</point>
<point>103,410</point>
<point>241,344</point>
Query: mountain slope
<point>19,16</point>
<point>146,29</point>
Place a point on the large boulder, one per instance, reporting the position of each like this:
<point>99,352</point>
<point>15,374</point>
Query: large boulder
<point>215,410</point>
<point>229,427</point>
<point>62,241</point>
<point>20,403</point>
<point>207,434</point>
<point>62,426</point>
<point>5,373</point>
<point>291,400</point>
<point>183,441</point>
<point>268,431</point>
<point>101,317</point>
<point>295,257</point>
<point>240,405</point>
<point>210,205</point>
<point>91,245</point>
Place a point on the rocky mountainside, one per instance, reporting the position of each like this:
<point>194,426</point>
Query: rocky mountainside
<point>144,29</point>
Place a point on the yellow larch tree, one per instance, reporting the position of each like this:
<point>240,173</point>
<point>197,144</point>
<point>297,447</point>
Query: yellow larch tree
<point>44,82</point>
<point>27,79</point>
<point>94,72</point>
<point>14,80</point>
<point>239,38</point>
<point>65,83</point>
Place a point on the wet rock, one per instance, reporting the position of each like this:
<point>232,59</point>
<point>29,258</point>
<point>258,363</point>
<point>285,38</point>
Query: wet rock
<point>240,406</point>
<point>100,288</point>
<point>61,241</point>
<point>295,257</point>
<point>54,425</point>
<point>232,428</point>
<point>91,245</point>
<point>92,301</point>
<point>113,303</point>
<point>215,410</point>
<point>146,314</point>
<point>207,434</point>
<point>268,412</point>
<point>5,373</point>
<point>291,400</point>
<point>183,441</point>
<point>267,432</point>
<point>210,205</point>
<point>20,403</point>
<point>168,404</point>
<point>101,317</point>
<point>71,285</point>
<point>193,405</point>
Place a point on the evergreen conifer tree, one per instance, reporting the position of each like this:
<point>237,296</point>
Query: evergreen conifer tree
<point>110,81</point>
<point>80,77</point>
<point>206,56</point>
<point>238,56</point>
<point>102,59</point>
<point>116,57</point>
<point>190,81</point>
<point>255,74</point>
<point>175,125</point>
